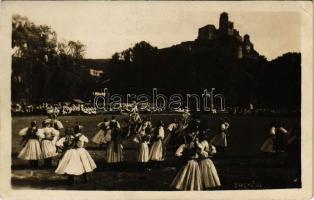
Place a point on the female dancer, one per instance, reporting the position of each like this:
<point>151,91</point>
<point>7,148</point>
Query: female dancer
<point>220,140</point>
<point>268,145</point>
<point>276,141</point>
<point>48,143</point>
<point>76,160</point>
<point>189,176</point>
<point>143,139</point>
<point>209,175</point>
<point>31,145</point>
<point>101,136</point>
<point>158,151</point>
<point>114,152</point>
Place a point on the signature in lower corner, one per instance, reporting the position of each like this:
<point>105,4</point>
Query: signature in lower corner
<point>251,185</point>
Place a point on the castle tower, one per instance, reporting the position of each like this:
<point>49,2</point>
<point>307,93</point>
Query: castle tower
<point>247,45</point>
<point>223,23</point>
<point>246,38</point>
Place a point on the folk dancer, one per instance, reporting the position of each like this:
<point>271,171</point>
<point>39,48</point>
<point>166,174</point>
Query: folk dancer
<point>189,175</point>
<point>76,160</point>
<point>220,140</point>
<point>209,175</point>
<point>103,136</point>
<point>48,143</point>
<point>55,123</point>
<point>158,151</point>
<point>31,150</point>
<point>143,138</point>
<point>114,153</point>
<point>274,143</point>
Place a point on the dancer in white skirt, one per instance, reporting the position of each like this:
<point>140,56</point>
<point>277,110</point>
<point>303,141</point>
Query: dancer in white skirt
<point>31,145</point>
<point>76,160</point>
<point>158,151</point>
<point>48,143</point>
<point>220,140</point>
<point>143,139</point>
<point>274,143</point>
<point>209,175</point>
<point>101,136</point>
<point>268,145</point>
<point>189,175</point>
<point>114,153</point>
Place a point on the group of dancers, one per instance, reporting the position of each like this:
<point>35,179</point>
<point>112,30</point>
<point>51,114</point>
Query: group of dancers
<point>280,139</point>
<point>40,143</point>
<point>195,168</point>
<point>45,143</point>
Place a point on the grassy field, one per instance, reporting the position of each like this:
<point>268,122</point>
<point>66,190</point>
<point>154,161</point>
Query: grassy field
<point>241,167</point>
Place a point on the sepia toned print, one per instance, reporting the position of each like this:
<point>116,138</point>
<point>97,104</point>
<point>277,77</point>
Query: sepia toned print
<point>124,100</point>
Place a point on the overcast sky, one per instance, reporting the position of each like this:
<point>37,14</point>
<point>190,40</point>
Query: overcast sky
<point>114,26</point>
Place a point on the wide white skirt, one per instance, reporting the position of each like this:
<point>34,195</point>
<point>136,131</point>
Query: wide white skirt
<point>76,162</point>
<point>143,153</point>
<point>188,177</point>
<point>49,150</point>
<point>268,145</point>
<point>156,152</point>
<point>114,155</point>
<point>99,138</point>
<point>31,151</point>
<point>220,140</point>
<point>209,175</point>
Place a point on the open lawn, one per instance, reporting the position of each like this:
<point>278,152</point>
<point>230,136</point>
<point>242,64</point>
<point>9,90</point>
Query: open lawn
<point>243,166</point>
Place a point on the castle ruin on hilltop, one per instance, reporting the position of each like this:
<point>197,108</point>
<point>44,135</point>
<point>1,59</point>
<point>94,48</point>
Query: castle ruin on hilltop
<point>226,30</point>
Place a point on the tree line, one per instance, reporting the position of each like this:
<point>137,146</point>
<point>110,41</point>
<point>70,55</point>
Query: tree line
<point>45,69</point>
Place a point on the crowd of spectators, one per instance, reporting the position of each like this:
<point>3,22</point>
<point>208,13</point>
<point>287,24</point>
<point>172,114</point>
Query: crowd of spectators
<point>57,108</point>
<point>73,108</point>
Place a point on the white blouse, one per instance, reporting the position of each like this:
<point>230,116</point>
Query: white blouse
<point>82,140</point>
<point>180,150</point>
<point>281,129</point>
<point>39,132</point>
<point>206,149</point>
<point>23,131</point>
<point>161,133</point>
<point>49,132</point>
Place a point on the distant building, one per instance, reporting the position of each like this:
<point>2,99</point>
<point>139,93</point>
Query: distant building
<point>207,32</point>
<point>226,29</point>
<point>95,72</point>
